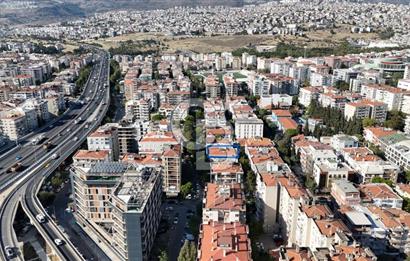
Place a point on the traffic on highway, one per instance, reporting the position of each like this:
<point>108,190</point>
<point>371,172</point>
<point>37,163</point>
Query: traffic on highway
<point>23,170</point>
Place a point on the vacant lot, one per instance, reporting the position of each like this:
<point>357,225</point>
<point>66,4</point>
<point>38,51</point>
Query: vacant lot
<point>221,43</point>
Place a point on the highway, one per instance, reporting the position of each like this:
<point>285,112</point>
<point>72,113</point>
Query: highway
<point>66,135</point>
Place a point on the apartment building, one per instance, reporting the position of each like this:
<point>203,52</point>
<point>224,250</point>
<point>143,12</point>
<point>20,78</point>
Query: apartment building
<point>333,100</point>
<point>226,173</point>
<point>212,87</point>
<point>399,154</point>
<point>156,142</point>
<point>374,134</point>
<point>248,128</point>
<point>344,193</point>
<point>291,197</point>
<point>259,85</point>
<point>320,79</point>
<point>231,85</point>
<point>315,153</point>
<point>380,195</point>
<point>14,125</point>
<point>137,109</point>
<point>40,107</point>
<point>305,222</point>
<point>341,141</point>
<point>221,241</point>
<point>92,187</point>
<point>267,199</point>
<point>396,223</point>
<point>87,158</point>
<point>171,177</point>
<point>391,96</point>
<point>224,203</point>
<point>327,171</point>
<point>136,211</point>
<point>309,94</point>
<point>367,165</point>
<point>366,109</point>
<point>104,138</point>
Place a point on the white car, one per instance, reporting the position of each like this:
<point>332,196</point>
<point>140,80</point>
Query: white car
<point>41,218</point>
<point>58,241</point>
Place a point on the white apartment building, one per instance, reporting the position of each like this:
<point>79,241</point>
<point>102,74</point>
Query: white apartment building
<point>320,79</point>
<point>104,138</point>
<point>329,170</point>
<point>392,96</point>
<point>137,109</point>
<point>259,85</point>
<point>380,195</point>
<point>226,173</point>
<point>368,165</point>
<point>399,154</point>
<point>291,198</point>
<point>305,222</point>
<point>248,128</point>
<point>14,125</point>
<point>308,94</point>
<point>344,193</point>
<point>156,142</point>
<point>341,141</point>
<point>41,108</point>
<point>366,109</point>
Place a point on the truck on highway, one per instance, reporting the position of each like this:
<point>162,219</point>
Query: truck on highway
<point>47,145</point>
<point>37,140</point>
<point>54,156</point>
<point>16,167</point>
<point>41,218</point>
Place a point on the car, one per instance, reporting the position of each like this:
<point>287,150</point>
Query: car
<point>41,218</point>
<point>189,237</point>
<point>189,196</point>
<point>19,157</point>
<point>58,241</point>
<point>9,251</point>
<point>175,220</point>
<point>169,208</point>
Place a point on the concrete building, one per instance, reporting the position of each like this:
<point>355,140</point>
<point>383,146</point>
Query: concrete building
<point>248,128</point>
<point>104,138</point>
<point>219,241</point>
<point>380,195</point>
<point>366,109</point>
<point>136,211</point>
<point>226,173</point>
<point>399,154</point>
<point>137,109</point>
<point>224,203</point>
<point>344,193</point>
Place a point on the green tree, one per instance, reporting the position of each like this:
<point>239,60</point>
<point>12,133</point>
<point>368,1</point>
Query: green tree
<point>163,256</point>
<point>406,204</point>
<point>56,182</point>
<point>187,252</point>
<point>407,176</point>
<point>368,122</point>
<point>395,120</point>
<point>157,117</point>
<point>46,198</point>
<point>342,85</point>
<point>382,180</point>
<point>250,182</point>
<point>186,189</point>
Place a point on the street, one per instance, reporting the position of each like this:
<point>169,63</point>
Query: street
<point>80,239</point>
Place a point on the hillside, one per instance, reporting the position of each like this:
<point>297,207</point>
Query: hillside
<point>45,11</point>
